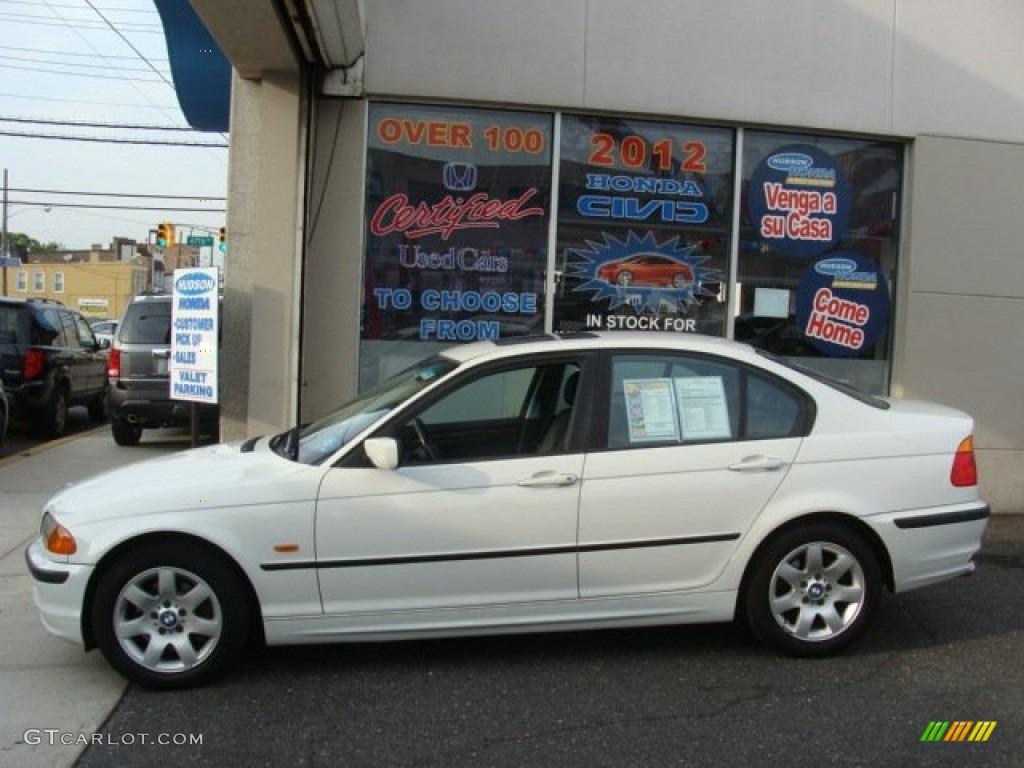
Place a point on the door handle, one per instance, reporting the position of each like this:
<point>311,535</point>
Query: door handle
<point>757,464</point>
<point>548,480</point>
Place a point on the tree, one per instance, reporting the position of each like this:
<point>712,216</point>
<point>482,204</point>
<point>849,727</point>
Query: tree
<point>19,244</point>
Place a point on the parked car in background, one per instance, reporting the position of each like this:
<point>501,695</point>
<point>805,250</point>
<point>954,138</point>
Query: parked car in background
<point>105,330</point>
<point>5,413</point>
<point>138,371</point>
<point>50,360</point>
<point>588,481</point>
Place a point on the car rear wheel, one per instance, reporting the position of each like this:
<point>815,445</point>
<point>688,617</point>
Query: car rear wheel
<point>813,590</point>
<point>55,415</point>
<point>170,616</point>
<point>625,278</point>
<point>125,433</point>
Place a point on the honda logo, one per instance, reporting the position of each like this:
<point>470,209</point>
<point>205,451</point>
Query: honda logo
<point>459,177</point>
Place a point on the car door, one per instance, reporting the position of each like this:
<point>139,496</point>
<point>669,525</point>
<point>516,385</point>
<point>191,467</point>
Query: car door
<point>481,513</point>
<point>692,449</point>
<point>91,360</point>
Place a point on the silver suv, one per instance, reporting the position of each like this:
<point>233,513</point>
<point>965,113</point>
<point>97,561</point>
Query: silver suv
<point>139,392</point>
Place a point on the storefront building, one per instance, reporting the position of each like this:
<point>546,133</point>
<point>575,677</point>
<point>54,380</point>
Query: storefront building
<point>837,184</point>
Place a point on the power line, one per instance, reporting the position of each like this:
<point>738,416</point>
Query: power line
<point>42,204</point>
<point>100,140</point>
<point>147,11</point>
<point>25,18</point>
<point>128,42</point>
<point>77,124</point>
<point>111,194</point>
<point>82,101</point>
<point>70,63</point>
<point>78,74</point>
<point>67,53</point>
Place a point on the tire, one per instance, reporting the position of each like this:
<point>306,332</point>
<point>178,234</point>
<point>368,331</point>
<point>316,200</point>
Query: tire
<point>124,433</point>
<point>813,590</point>
<point>54,417</point>
<point>170,616</point>
<point>98,407</point>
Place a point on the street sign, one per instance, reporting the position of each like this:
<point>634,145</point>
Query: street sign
<point>199,240</point>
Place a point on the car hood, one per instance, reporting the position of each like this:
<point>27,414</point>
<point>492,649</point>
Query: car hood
<point>214,477</point>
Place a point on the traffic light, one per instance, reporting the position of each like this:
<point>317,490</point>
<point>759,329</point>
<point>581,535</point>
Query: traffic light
<point>165,234</point>
<point>223,239</point>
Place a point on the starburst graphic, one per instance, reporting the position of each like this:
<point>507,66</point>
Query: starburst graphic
<point>680,271</point>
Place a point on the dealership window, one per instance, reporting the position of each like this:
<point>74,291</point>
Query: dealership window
<point>644,213</point>
<point>22,284</point>
<point>818,246</point>
<point>787,241</point>
<point>39,282</point>
<point>58,282</point>
<point>457,215</point>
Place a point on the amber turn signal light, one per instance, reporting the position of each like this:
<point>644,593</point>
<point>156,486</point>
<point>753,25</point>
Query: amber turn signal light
<point>60,541</point>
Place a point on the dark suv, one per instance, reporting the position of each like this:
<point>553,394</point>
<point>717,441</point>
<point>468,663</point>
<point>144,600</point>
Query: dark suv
<point>139,396</point>
<point>50,360</point>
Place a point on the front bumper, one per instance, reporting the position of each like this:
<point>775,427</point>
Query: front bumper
<point>59,592</point>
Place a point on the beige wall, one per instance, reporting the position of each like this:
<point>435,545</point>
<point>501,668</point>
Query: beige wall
<point>961,315</point>
<point>261,273</point>
<point>893,67</point>
<point>97,290</point>
<point>334,258</point>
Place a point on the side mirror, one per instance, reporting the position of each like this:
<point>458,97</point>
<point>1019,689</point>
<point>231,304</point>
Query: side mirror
<point>382,452</point>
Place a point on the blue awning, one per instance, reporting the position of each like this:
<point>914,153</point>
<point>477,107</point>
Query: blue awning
<point>201,73</point>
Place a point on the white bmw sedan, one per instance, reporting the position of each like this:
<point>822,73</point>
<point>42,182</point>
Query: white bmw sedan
<point>587,481</point>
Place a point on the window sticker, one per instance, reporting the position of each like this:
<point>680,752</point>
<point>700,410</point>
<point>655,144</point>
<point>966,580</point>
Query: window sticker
<point>650,410</point>
<point>703,411</point>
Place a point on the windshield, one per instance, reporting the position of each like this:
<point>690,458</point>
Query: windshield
<point>313,443</point>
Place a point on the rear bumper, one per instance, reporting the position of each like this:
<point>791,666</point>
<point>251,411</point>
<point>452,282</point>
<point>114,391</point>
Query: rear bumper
<point>152,409</point>
<point>928,546</point>
<point>29,397</point>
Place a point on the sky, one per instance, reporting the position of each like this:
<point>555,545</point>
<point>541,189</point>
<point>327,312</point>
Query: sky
<point>61,60</point>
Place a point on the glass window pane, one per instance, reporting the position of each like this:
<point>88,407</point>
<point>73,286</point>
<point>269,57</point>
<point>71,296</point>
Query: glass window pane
<point>818,251</point>
<point>643,225</point>
<point>457,210</point>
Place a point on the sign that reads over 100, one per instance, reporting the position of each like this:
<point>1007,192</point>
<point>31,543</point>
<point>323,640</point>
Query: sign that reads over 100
<point>194,334</point>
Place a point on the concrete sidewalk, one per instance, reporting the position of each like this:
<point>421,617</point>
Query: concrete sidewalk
<point>46,683</point>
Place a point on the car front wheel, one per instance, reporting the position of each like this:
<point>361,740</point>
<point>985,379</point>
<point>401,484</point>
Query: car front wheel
<point>813,590</point>
<point>170,616</point>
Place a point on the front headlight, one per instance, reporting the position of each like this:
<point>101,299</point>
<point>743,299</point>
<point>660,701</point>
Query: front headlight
<point>59,540</point>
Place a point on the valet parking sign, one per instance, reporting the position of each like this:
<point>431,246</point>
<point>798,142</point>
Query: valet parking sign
<point>194,334</point>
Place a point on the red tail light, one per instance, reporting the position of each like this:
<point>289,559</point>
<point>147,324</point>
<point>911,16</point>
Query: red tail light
<point>965,470</point>
<point>34,364</point>
<point>114,364</point>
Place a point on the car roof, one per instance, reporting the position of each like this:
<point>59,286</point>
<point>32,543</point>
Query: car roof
<point>654,340</point>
